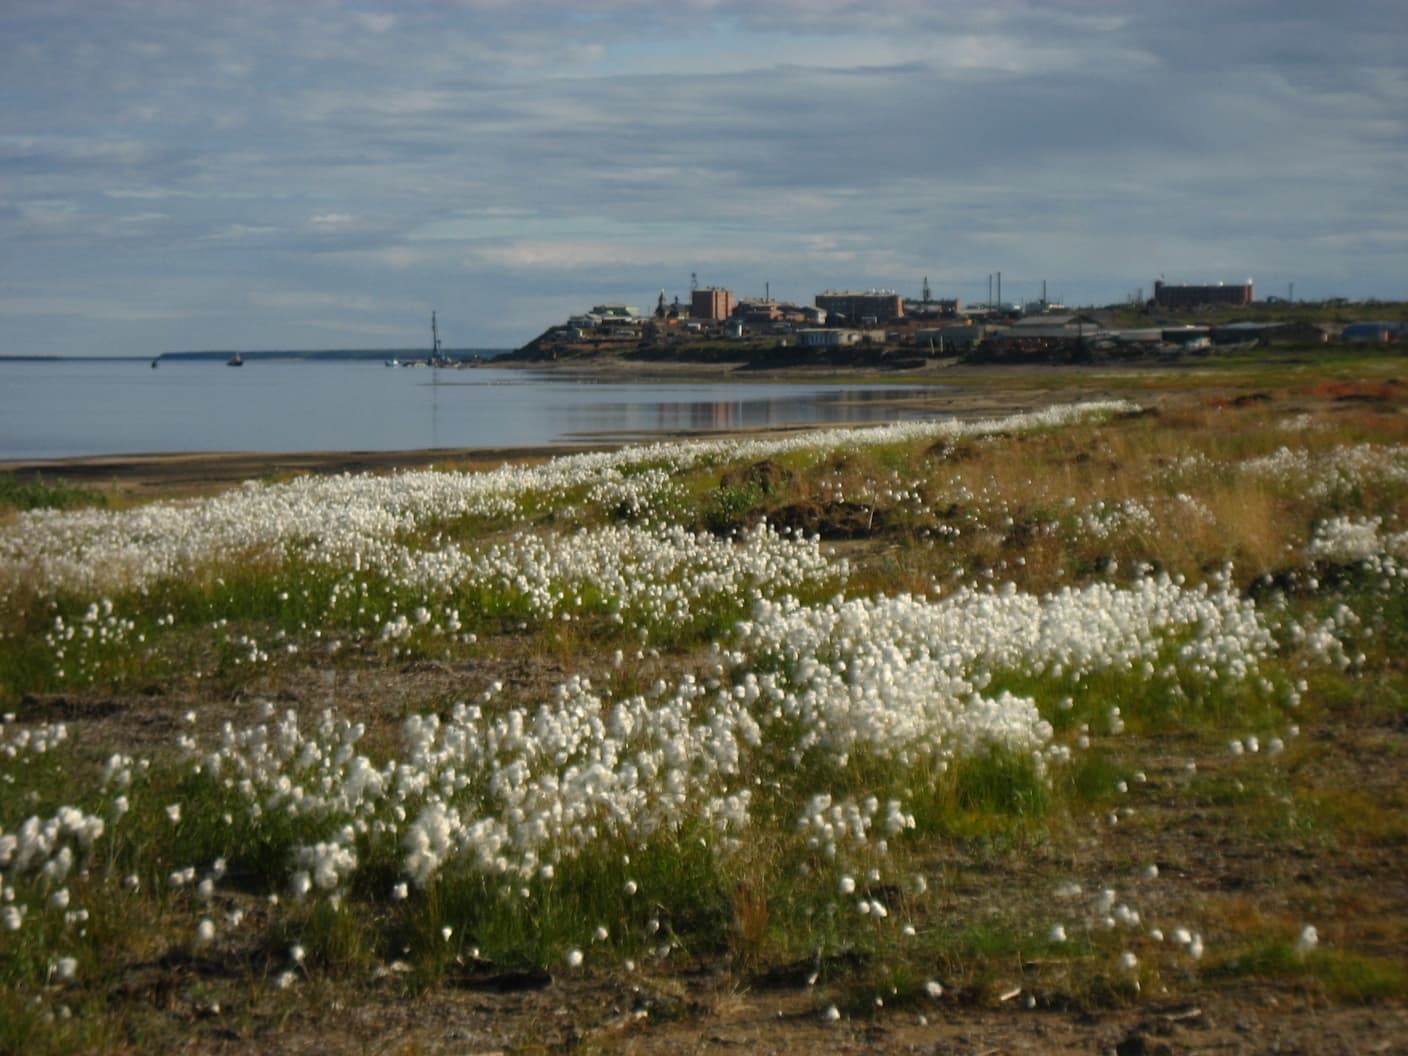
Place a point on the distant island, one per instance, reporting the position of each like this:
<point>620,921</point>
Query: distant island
<point>395,356</point>
<point>379,354</point>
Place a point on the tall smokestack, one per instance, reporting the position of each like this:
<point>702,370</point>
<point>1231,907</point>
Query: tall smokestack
<point>999,289</point>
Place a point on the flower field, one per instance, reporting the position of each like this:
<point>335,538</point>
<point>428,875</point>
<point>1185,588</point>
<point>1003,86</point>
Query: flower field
<point>1080,708</point>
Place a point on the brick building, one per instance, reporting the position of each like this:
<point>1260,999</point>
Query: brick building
<point>712,303</point>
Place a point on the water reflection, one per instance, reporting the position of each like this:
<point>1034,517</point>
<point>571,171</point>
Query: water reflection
<point>59,409</point>
<point>626,418</point>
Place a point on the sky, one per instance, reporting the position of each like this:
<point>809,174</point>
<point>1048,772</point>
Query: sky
<point>322,174</point>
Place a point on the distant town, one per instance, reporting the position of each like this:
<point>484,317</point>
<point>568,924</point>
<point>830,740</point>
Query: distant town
<point>884,328</point>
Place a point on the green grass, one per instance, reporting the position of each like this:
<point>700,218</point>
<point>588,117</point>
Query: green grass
<point>1341,975</point>
<point>36,493</point>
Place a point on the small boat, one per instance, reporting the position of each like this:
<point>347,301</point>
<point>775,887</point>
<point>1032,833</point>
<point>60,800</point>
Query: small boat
<point>236,360</point>
<point>153,364</point>
<point>393,362</point>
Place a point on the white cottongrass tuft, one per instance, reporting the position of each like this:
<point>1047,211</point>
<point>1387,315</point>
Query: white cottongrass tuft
<point>1308,939</point>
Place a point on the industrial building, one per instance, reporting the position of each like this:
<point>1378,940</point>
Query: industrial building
<point>1166,296</point>
<point>872,306</point>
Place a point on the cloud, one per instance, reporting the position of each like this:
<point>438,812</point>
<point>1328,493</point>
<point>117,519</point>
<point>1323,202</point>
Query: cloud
<point>332,221</point>
<point>494,153</point>
<point>303,300</point>
<point>378,23</point>
<point>85,307</point>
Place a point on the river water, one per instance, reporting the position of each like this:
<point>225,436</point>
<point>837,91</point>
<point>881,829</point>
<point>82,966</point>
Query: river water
<point>67,408</point>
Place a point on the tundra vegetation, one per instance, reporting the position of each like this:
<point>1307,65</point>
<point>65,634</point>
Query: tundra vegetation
<point>1076,709</point>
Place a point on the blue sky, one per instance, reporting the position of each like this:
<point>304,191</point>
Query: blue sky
<point>321,174</point>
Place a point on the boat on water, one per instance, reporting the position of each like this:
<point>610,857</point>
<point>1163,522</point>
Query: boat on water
<point>236,360</point>
<point>393,362</point>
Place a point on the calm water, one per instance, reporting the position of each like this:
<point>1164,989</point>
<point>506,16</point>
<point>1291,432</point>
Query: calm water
<point>71,408</point>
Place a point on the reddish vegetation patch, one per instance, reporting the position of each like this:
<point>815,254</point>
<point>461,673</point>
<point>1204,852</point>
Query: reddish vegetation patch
<point>1391,391</point>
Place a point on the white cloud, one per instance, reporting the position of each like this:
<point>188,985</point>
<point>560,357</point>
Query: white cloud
<point>332,221</point>
<point>240,232</point>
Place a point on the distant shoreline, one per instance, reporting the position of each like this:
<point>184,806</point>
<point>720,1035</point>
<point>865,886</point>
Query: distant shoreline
<point>331,354</point>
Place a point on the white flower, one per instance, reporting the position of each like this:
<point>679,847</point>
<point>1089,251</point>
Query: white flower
<point>1058,933</point>
<point>65,968</point>
<point>574,958</point>
<point>173,812</point>
<point>205,933</point>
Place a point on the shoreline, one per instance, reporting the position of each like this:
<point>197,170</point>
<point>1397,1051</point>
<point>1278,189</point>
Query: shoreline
<point>955,390</point>
<point>146,475</point>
